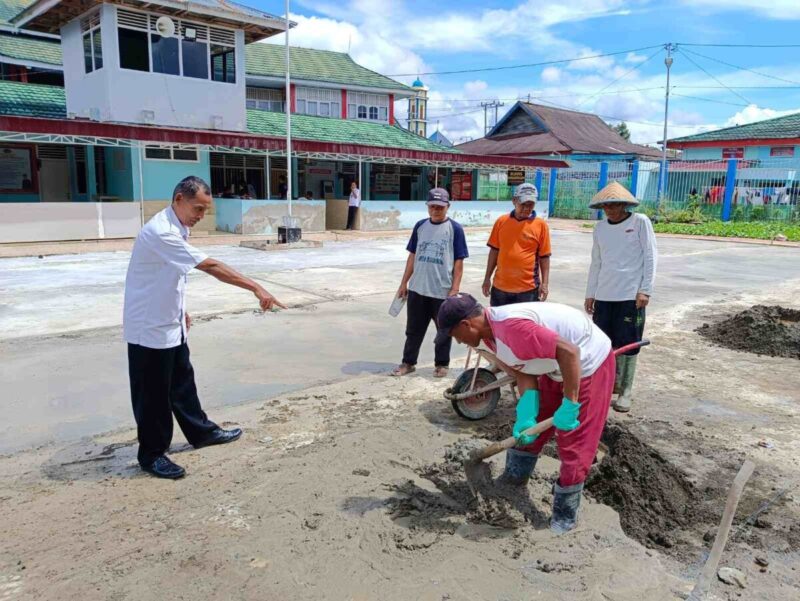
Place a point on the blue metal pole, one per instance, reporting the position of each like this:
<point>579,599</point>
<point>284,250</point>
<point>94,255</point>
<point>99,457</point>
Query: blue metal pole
<point>634,177</point>
<point>538,181</point>
<point>730,186</point>
<point>551,192</point>
<point>603,176</point>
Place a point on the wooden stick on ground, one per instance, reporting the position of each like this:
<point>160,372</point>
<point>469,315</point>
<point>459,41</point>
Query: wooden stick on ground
<point>710,569</point>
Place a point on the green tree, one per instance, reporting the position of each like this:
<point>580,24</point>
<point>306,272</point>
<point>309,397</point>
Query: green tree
<point>622,129</point>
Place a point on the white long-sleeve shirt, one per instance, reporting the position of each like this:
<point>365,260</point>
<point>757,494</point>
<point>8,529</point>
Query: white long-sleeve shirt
<point>624,259</point>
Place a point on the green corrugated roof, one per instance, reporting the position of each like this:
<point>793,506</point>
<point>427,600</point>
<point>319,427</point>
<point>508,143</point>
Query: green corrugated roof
<point>30,49</point>
<point>315,65</point>
<point>32,100</point>
<point>344,131</point>
<point>10,8</point>
<point>779,127</point>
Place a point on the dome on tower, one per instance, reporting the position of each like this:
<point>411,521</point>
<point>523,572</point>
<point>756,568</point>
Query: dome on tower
<point>417,83</point>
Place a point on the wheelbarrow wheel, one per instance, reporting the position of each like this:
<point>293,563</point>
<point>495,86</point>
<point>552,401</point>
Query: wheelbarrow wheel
<point>478,406</point>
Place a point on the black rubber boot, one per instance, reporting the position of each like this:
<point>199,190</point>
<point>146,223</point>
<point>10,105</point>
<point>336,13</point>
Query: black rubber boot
<point>519,466</point>
<point>566,500</point>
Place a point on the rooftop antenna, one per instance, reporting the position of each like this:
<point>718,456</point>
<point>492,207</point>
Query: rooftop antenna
<point>349,41</point>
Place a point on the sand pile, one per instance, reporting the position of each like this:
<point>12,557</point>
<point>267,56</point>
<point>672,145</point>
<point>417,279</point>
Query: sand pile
<point>773,331</point>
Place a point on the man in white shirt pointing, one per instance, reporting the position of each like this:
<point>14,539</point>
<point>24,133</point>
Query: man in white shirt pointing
<point>156,326</point>
<point>621,279</point>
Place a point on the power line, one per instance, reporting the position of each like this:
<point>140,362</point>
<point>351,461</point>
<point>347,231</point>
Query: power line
<point>527,65</point>
<point>739,45</point>
<point>710,100</point>
<point>636,67</point>
<point>716,60</point>
<point>732,91</point>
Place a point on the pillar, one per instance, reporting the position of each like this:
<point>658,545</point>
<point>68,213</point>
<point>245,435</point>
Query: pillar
<point>91,176</point>
<point>551,192</point>
<point>365,192</point>
<point>475,176</point>
<point>603,182</point>
<point>538,180</point>
<point>296,179</point>
<point>634,177</point>
<point>730,187</point>
<point>72,167</point>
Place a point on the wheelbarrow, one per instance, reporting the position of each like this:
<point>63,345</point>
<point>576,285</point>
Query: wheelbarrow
<point>476,392</point>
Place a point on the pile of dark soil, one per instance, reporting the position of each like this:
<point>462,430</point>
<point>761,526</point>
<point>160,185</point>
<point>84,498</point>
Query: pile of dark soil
<point>773,331</point>
<point>657,504</point>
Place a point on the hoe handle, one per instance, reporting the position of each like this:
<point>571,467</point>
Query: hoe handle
<point>503,445</point>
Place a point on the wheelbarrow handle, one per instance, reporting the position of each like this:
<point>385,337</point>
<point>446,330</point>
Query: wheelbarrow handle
<point>503,445</point>
<point>631,347</point>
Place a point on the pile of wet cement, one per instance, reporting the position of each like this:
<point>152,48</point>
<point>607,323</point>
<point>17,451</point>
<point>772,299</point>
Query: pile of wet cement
<point>773,331</point>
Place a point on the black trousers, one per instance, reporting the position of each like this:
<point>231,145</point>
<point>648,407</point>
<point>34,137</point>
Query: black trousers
<point>162,383</point>
<point>621,321</point>
<point>351,217</point>
<point>498,298</point>
<point>420,310</point>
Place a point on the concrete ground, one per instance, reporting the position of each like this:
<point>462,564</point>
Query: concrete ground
<point>64,363</point>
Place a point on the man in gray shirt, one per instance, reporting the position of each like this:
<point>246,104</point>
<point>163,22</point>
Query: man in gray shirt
<point>435,264</point>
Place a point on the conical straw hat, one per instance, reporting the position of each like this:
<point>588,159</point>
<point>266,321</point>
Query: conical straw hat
<point>613,192</point>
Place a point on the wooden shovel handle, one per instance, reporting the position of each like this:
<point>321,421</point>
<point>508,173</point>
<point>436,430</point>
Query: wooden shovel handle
<point>503,445</point>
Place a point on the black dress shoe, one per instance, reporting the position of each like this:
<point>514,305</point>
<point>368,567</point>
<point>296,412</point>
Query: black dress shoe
<point>164,468</point>
<point>219,436</point>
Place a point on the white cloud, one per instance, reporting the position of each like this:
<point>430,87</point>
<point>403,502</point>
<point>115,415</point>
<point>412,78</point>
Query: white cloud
<point>773,9</point>
<point>635,58</point>
<point>551,75</point>
<point>754,113</point>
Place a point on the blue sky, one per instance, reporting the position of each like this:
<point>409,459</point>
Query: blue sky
<point>415,36</point>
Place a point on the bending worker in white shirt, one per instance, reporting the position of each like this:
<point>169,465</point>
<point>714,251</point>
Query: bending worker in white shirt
<point>621,279</point>
<point>156,326</point>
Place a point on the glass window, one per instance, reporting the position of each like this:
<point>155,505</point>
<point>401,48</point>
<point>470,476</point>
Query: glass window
<point>184,155</point>
<point>195,59</point>
<point>351,111</point>
<point>335,110</point>
<point>312,107</point>
<point>373,113</point>
<point>158,153</point>
<point>88,65</point>
<point>362,111</point>
<point>133,52</point>
<point>97,41</point>
<point>165,55</point>
<point>301,106</point>
<point>251,104</point>
<point>325,109</point>
<point>384,113</point>
<point>223,64</point>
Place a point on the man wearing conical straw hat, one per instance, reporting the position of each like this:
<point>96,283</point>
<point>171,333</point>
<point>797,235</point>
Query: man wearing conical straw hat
<point>621,279</point>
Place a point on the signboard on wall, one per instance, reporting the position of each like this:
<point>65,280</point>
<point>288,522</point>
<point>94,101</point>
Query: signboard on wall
<point>515,177</point>
<point>781,151</point>
<point>387,183</point>
<point>733,153</point>
<point>461,185</point>
<point>16,169</point>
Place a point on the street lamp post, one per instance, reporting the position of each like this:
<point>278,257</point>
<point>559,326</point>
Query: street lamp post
<point>288,105</point>
<point>662,184</point>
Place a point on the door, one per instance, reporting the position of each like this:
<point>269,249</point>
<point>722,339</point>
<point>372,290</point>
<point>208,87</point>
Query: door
<point>53,173</point>
<point>405,188</point>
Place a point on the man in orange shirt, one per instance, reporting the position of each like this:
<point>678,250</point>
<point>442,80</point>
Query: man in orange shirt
<point>519,249</point>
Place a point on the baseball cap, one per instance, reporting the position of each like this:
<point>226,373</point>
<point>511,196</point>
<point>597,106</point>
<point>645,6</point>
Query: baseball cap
<point>439,196</point>
<point>452,311</point>
<point>526,193</point>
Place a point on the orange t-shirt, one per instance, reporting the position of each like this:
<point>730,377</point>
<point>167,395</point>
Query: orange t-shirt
<point>520,244</point>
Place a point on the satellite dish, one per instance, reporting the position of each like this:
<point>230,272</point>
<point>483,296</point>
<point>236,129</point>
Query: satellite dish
<point>165,27</point>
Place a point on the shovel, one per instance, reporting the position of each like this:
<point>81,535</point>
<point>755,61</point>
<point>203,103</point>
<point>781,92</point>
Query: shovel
<point>473,462</point>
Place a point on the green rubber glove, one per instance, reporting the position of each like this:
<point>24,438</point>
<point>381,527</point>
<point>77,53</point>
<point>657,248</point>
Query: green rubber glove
<point>527,412</point>
<point>566,417</point>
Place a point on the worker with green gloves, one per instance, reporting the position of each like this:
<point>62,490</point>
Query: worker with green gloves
<point>564,367</point>
<point>621,279</point>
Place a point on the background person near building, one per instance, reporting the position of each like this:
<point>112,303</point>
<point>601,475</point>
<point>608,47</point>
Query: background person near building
<point>621,279</point>
<point>519,254</point>
<point>434,268</point>
<point>352,205</point>
<point>564,368</point>
<point>156,326</point>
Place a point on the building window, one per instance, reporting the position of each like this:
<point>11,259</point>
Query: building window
<point>165,54</point>
<point>92,43</point>
<point>320,102</point>
<point>133,50</point>
<point>237,175</point>
<point>195,50</point>
<point>159,153</point>
<point>371,107</point>
<point>265,99</point>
